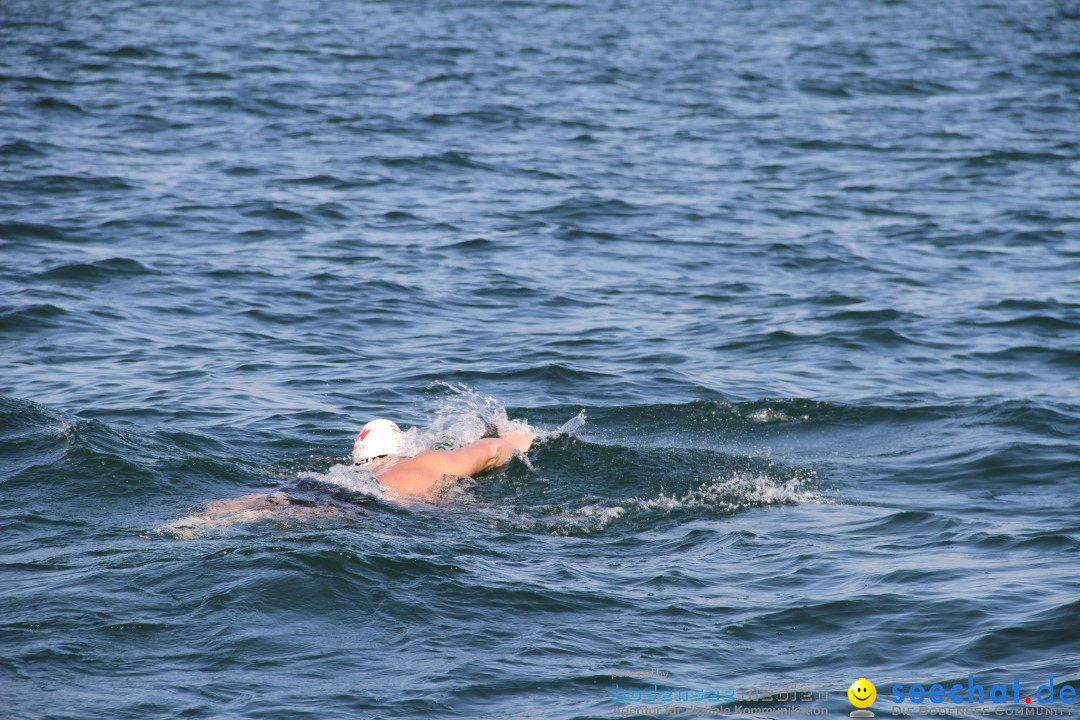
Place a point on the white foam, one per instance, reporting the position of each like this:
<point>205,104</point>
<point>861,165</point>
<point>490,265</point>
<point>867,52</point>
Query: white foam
<point>730,493</point>
<point>350,477</point>
<point>738,491</point>
<point>771,415</point>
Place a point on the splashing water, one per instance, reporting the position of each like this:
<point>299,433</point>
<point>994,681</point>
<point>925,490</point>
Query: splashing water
<point>464,415</point>
<point>354,478</point>
<point>570,427</point>
<point>738,492</point>
<point>728,494</point>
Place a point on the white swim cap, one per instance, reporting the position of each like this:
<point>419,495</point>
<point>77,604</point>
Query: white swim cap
<point>378,437</point>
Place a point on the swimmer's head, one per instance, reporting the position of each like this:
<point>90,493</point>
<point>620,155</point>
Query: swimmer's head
<point>377,438</point>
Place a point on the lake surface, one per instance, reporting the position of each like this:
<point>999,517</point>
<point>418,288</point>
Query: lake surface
<point>810,269</point>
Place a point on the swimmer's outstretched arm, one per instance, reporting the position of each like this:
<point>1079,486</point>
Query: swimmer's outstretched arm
<point>484,455</point>
<point>420,475</point>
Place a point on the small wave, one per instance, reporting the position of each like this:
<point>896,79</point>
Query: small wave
<point>31,317</point>
<point>494,115</point>
<point>1033,354</point>
<point>589,207</point>
<point>71,184</point>
<point>271,211</point>
<point>19,417</point>
<point>478,243</point>
<point>31,231</point>
<point>321,180</point>
<point>55,105</point>
<point>97,271</point>
<point>1050,542</point>
<point>911,524</point>
<point>209,75</point>
<point>552,374</point>
<point>21,148</point>
<point>1042,634</point>
<point>1034,322</point>
<point>129,52</point>
<point>449,159</point>
<point>443,77</point>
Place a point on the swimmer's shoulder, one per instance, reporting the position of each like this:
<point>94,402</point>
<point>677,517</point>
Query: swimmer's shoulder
<point>414,476</point>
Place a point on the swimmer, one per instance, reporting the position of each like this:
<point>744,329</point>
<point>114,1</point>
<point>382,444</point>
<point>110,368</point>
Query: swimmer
<point>379,448</point>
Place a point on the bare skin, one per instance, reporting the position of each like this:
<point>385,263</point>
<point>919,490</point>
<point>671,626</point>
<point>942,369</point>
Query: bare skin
<point>407,478</point>
<point>418,476</point>
<point>247,508</point>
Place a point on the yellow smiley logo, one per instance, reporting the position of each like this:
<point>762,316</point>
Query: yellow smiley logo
<point>862,693</point>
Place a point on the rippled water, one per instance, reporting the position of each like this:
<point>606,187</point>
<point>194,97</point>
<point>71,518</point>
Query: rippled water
<point>811,271</point>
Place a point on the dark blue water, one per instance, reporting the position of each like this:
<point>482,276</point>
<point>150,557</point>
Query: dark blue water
<point>811,269</point>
